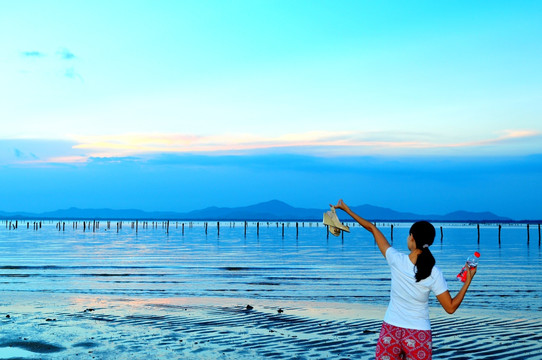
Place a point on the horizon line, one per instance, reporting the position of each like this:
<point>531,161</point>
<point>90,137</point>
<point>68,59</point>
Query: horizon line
<point>172,215</point>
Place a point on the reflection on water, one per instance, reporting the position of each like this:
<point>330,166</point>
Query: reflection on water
<point>263,264</point>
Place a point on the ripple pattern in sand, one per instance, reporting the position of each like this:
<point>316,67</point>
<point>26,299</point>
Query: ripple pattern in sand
<point>215,332</point>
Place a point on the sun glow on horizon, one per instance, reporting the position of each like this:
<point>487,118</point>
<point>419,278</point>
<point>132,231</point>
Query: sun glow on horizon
<point>313,142</point>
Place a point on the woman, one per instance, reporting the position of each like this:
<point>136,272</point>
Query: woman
<point>406,330</point>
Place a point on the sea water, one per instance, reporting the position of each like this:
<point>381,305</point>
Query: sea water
<point>301,262</point>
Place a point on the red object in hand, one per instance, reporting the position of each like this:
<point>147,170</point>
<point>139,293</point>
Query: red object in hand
<point>472,261</point>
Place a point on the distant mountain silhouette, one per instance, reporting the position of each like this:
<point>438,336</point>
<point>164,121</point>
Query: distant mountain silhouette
<point>270,210</point>
<point>266,211</point>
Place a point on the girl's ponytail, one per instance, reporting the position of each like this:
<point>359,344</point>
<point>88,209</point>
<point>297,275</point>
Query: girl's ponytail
<point>424,235</point>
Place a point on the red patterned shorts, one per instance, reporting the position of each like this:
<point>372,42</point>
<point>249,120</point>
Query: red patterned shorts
<point>399,343</point>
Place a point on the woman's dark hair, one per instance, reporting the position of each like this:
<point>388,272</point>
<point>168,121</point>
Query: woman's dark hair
<point>424,235</point>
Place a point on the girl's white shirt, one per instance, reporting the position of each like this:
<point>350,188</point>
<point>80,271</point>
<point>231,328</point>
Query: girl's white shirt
<point>409,300</point>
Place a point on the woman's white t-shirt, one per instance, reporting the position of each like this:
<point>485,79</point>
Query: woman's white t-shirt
<point>409,300</point>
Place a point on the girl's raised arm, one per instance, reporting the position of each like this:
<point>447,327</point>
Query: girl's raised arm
<point>380,239</point>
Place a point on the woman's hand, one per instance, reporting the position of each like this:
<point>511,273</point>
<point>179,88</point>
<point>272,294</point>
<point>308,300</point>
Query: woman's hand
<point>470,272</point>
<point>450,305</point>
<point>340,205</point>
<point>380,239</point>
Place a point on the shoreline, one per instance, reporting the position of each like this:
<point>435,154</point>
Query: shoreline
<point>59,326</point>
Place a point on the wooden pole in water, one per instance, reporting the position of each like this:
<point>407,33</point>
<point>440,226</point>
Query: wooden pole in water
<point>282,229</point>
<point>441,234</point>
<point>257,229</point>
<point>478,227</point>
<point>538,234</point>
<point>391,233</point>
<point>528,235</point>
<point>218,228</point>
<point>183,229</point>
<point>245,229</point>
<point>296,230</point>
<point>500,226</point>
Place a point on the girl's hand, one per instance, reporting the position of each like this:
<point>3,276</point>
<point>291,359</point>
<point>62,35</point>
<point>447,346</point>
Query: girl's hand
<point>470,272</point>
<point>340,205</point>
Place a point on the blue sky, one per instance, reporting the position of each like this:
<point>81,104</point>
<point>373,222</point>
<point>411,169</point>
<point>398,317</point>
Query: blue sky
<point>427,107</point>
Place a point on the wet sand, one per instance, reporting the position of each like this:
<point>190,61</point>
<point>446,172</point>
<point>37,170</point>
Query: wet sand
<point>49,326</point>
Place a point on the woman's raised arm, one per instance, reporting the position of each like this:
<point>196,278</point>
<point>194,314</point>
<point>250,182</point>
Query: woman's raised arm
<point>380,239</point>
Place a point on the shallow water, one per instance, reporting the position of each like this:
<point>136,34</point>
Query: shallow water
<point>304,264</point>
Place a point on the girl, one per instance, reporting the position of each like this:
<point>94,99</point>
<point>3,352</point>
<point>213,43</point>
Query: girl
<point>406,330</point>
